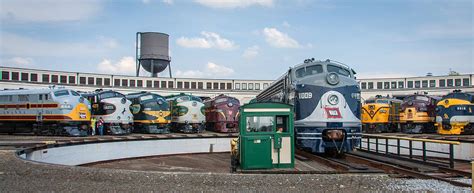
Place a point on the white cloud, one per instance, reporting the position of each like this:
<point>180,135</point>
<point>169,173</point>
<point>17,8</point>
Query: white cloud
<point>18,62</point>
<point>251,52</point>
<point>48,10</point>
<point>16,45</point>
<point>234,3</point>
<point>209,40</point>
<point>211,70</point>
<point>279,39</point>
<point>145,1</point>
<point>125,65</point>
<point>169,2</point>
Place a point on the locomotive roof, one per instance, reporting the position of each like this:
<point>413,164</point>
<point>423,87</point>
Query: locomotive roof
<point>30,91</point>
<point>140,94</point>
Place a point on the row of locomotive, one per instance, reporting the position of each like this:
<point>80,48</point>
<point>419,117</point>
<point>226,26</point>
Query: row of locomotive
<point>420,113</point>
<point>60,111</point>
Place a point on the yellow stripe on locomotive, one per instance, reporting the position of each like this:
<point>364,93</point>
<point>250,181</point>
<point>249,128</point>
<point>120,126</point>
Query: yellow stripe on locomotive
<point>454,116</point>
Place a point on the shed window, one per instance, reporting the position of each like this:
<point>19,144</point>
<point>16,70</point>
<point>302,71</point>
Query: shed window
<point>193,85</point>
<point>116,82</point>
<point>364,85</point>
<point>215,85</point>
<point>98,81</point>
<point>244,86</point>
<point>90,80</point>
<point>229,86</point>
<point>124,82</point>
<point>163,84</point>
<point>450,82</point>
<point>393,85</point>
<point>200,85</point>
<point>139,83</point>
<point>400,84</point>
<point>149,83</point>
<point>250,86</point>
<point>222,86</point>
<point>132,83</point>
<point>432,83</point>
<point>170,84</point>
<point>465,82</point>
<point>186,85</point>
<point>265,85</point>
<point>82,80</point>
<point>410,84</point>
<point>424,83</point>
<point>107,81</point>
<point>237,86</point>
<point>260,124</point>
<point>5,75</point>
<point>54,78</point>
<point>15,76</point>
<point>457,82</point>
<point>379,85</point>
<point>442,83</point>
<point>370,85</point>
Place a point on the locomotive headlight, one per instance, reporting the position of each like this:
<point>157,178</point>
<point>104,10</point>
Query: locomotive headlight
<point>332,78</point>
<point>383,111</point>
<point>333,100</point>
<point>230,104</point>
<point>461,108</point>
<point>65,106</point>
<point>160,102</point>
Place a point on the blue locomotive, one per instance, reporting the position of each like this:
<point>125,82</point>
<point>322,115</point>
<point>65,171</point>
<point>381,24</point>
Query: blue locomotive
<point>326,99</point>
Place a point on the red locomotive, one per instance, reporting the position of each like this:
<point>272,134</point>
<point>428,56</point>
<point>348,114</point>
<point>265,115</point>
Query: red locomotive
<point>222,114</point>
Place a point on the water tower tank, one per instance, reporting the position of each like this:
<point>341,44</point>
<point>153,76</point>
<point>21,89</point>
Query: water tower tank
<point>154,52</point>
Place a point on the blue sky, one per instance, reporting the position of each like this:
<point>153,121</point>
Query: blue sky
<point>250,39</point>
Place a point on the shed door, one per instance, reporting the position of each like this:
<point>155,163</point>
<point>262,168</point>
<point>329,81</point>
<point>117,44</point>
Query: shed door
<point>257,150</point>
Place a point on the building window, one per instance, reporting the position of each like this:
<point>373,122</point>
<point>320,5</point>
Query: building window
<point>250,86</point>
<point>417,84</point>
<point>132,83</point>
<point>222,86</point>
<point>432,83</point>
<point>140,83</point>
<point>386,85</point>
<point>98,81</point>
<point>200,85</point>
<point>186,85</point>
<point>90,81</point>
<point>393,85</point>
<point>193,85</point>
<point>107,81</point>
<point>82,80</point>
<point>379,85</point>
<point>149,83</point>
<point>15,76</point>
<point>124,82</point>
<point>410,84</point>
<point>450,82</point>
<point>237,86</point>
<point>180,84</point>
<point>257,86</point>
<point>156,84</point>
<point>63,79</point>
<point>400,84</point>
<point>215,85</point>
<point>265,85</point>
<point>163,84</point>
<point>72,80</point>
<point>363,85</point>
<point>465,82</point>
<point>424,83</point>
<point>33,77</point>
<point>244,86</point>
<point>170,84</point>
<point>116,82</point>
<point>24,76</point>
<point>442,83</point>
<point>5,75</point>
<point>370,85</point>
<point>457,82</point>
<point>54,78</point>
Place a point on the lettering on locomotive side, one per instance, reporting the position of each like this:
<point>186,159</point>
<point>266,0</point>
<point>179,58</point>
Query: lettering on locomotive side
<point>305,95</point>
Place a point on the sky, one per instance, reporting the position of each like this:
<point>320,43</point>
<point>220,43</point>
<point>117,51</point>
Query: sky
<point>241,39</point>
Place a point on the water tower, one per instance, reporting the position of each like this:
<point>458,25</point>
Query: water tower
<point>152,52</point>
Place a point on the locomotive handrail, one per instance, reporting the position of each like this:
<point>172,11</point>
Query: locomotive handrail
<point>412,139</point>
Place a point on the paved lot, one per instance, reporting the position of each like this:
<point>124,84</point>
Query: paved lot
<point>19,176</point>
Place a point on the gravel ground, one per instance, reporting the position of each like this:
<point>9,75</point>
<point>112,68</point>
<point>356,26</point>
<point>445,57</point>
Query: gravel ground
<point>23,176</point>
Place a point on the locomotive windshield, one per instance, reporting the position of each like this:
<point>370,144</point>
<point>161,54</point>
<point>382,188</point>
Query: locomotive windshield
<point>309,70</point>
<point>221,100</point>
<point>338,70</point>
<point>423,98</point>
<point>61,93</point>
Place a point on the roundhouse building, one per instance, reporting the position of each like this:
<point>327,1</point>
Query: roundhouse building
<point>244,90</point>
<point>433,85</point>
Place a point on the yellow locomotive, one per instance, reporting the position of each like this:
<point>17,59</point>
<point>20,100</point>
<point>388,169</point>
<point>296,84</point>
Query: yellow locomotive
<point>455,114</point>
<point>380,114</point>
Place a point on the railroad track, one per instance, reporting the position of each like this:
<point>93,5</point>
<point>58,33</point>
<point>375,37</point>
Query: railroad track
<point>357,163</point>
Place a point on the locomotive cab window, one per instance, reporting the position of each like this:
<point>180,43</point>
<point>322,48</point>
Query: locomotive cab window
<point>309,70</point>
<point>61,93</point>
<point>260,124</point>
<point>338,70</point>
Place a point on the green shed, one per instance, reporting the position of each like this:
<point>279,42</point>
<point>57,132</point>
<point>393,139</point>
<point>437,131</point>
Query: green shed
<point>266,136</point>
